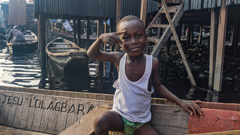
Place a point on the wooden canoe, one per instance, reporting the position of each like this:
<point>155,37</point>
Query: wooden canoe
<point>66,55</point>
<point>29,46</point>
<point>66,112</point>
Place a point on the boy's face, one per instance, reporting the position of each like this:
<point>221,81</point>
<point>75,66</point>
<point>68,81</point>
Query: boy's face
<point>134,39</point>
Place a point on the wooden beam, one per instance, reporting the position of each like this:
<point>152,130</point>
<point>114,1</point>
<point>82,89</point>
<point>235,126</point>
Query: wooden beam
<point>143,13</point>
<point>88,34</point>
<point>79,33</point>
<point>212,51</point>
<point>200,35</point>
<point>119,11</point>
<point>193,83</point>
<point>74,31</point>
<point>217,87</point>
<point>118,18</point>
<point>167,32</point>
<point>41,46</point>
<point>235,36</point>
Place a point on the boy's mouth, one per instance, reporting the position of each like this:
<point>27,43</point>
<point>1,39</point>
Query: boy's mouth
<point>135,48</point>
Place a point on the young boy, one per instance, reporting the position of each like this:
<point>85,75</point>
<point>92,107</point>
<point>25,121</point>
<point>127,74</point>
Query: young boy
<point>137,79</point>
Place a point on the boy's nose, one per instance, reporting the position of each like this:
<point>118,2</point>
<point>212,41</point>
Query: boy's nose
<point>133,40</point>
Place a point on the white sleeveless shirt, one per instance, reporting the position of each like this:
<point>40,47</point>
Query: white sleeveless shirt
<point>132,100</point>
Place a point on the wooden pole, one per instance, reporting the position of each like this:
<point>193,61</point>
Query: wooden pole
<point>143,13</point>
<point>74,31</point>
<point>79,33</point>
<point>193,83</point>
<point>42,46</point>
<point>200,35</point>
<point>88,34</point>
<point>118,17</point>
<point>212,51</point>
<point>217,87</point>
<point>119,10</point>
<point>235,36</point>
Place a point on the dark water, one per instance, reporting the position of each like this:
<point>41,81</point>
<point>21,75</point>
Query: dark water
<point>19,71</point>
<point>25,71</point>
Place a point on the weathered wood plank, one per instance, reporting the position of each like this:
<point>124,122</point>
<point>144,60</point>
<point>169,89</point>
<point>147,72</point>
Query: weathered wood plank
<point>46,113</point>
<point>53,107</point>
<point>12,110</point>
<point>62,118</point>
<point>2,100</point>
<point>39,108</point>
<point>212,51</point>
<point>26,109</point>
<point>169,120</point>
<point>220,50</point>
<point>19,110</point>
<point>5,106</point>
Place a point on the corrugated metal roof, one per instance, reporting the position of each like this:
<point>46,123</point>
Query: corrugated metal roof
<point>91,8</point>
<point>203,4</point>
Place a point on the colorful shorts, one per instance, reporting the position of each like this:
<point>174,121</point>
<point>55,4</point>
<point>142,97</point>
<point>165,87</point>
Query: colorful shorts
<point>130,127</point>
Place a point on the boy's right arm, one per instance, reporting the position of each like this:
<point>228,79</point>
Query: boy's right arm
<point>107,38</point>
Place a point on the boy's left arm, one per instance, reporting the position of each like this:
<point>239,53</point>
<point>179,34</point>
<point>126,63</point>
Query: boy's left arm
<point>190,107</point>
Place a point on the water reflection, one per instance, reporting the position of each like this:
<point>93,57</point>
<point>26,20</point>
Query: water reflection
<point>19,71</point>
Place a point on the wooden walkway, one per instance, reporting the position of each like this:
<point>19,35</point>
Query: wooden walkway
<point>13,131</point>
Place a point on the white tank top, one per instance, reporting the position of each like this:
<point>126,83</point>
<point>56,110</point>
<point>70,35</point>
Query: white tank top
<point>132,100</point>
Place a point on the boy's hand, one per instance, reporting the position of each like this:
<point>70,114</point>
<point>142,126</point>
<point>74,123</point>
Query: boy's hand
<point>191,107</point>
<point>112,38</point>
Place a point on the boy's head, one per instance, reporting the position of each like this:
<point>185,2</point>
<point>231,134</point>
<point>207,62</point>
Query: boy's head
<point>134,38</point>
<point>130,18</point>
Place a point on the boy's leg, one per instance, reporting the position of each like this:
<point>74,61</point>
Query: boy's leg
<point>146,129</point>
<point>108,121</point>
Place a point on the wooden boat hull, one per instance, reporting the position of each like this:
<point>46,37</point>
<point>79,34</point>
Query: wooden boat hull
<point>60,112</point>
<point>29,46</point>
<point>66,56</point>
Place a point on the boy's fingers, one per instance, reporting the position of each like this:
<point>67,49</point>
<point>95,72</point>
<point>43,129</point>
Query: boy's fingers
<point>117,39</point>
<point>197,108</point>
<point>119,33</point>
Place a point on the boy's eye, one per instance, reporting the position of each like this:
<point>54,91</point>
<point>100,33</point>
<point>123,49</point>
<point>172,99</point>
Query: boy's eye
<point>139,35</point>
<point>125,38</point>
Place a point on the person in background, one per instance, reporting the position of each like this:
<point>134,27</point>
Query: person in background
<point>16,35</point>
<point>138,78</point>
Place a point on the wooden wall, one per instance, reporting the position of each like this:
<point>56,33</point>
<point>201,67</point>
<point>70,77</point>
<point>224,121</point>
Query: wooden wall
<point>17,12</point>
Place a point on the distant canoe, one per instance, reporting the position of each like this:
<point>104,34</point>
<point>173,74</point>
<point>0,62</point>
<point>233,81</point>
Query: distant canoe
<point>66,55</point>
<point>29,46</point>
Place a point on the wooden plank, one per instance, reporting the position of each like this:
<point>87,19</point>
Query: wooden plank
<point>220,50</point>
<point>6,105</point>
<point>2,101</point>
<point>48,105</point>
<point>12,102</point>
<point>62,117</point>
<point>143,13</point>
<point>72,115</point>
<point>31,112</point>
<point>236,35</point>
<point>212,51</point>
<point>192,80</point>
<point>54,107</point>
<point>169,120</point>
<point>24,117</point>
<point>79,33</point>
<point>85,126</point>
<point>39,108</point>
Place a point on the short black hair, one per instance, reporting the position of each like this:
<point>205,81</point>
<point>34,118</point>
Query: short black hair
<point>130,18</point>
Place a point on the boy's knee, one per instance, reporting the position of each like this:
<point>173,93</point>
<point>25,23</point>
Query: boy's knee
<point>101,122</point>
